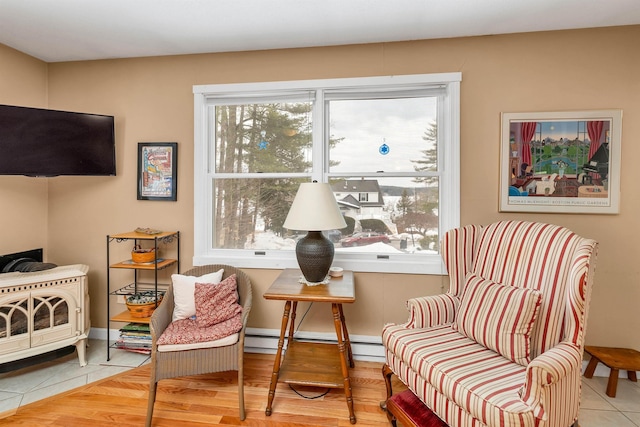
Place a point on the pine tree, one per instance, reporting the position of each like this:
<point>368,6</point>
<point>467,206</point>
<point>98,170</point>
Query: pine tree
<point>257,138</point>
<point>429,162</point>
<point>405,205</point>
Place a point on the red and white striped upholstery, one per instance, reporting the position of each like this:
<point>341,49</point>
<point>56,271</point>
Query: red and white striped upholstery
<point>468,384</point>
<point>499,317</point>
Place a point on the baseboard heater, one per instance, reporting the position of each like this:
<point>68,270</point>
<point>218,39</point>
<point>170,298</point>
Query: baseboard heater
<point>258,340</point>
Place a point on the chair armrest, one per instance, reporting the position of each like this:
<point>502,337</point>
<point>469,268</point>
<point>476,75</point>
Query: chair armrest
<point>432,310</point>
<point>550,368</point>
<point>162,315</point>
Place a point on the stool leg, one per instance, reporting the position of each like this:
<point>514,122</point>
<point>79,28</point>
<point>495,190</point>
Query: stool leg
<point>632,376</point>
<point>591,367</point>
<point>613,383</point>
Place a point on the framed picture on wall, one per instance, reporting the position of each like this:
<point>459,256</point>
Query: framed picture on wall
<point>561,162</point>
<point>157,171</point>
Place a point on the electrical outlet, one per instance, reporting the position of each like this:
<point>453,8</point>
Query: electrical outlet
<point>120,299</point>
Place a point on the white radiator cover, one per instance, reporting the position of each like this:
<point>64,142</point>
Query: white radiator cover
<point>43,311</point>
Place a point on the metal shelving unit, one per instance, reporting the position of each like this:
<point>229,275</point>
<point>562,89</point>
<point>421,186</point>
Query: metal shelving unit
<point>159,240</point>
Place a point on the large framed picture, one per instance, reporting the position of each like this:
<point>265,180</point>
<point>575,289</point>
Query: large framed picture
<point>561,162</point>
<point>157,171</point>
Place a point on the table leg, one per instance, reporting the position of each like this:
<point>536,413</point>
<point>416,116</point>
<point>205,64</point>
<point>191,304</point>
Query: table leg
<point>591,367</point>
<point>292,322</point>
<point>276,363</point>
<point>612,384</point>
<point>347,341</point>
<point>338,321</point>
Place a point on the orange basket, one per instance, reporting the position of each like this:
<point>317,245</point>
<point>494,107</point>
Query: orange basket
<point>143,304</point>
<point>139,255</point>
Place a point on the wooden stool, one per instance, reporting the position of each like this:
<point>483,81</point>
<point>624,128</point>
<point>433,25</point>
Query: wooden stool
<point>411,412</point>
<point>615,359</point>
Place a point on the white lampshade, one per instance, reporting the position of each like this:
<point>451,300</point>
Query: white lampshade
<point>314,209</point>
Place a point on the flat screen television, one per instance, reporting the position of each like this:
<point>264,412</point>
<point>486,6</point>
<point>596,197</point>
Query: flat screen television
<point>41,142</point>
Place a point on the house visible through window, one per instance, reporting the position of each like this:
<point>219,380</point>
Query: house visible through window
<point>389,147</point>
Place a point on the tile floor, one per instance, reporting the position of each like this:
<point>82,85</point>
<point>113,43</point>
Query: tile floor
<point>27,385</point>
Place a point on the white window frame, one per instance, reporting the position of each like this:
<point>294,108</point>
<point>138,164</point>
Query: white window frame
<point>448,165</point>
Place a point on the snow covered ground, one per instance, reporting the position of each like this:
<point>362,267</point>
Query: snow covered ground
<point>269,241</point>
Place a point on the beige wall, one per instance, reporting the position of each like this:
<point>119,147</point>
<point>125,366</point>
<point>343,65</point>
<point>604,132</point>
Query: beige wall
<point>152,101</point>
<point>23,201</point>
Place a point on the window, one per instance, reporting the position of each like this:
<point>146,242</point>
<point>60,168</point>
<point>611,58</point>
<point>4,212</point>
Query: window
<point>389,146</point>
<point>560,145</point>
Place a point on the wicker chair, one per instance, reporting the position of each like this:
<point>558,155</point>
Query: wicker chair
<point>174,364</point>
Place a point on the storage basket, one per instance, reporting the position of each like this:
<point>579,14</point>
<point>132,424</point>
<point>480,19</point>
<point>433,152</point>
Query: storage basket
<point>143,304</point>
<point>139,255</point>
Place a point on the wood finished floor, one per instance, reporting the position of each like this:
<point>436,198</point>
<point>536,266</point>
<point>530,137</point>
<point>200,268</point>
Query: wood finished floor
<point>209,400</point>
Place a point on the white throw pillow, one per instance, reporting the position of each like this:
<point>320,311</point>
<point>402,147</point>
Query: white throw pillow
<point>183,292</point>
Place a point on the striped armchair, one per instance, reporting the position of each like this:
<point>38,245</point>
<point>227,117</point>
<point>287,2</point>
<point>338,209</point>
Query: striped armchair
<point>503,347</point>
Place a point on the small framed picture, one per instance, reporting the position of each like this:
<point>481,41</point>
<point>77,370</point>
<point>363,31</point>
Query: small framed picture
<point>157,171</point>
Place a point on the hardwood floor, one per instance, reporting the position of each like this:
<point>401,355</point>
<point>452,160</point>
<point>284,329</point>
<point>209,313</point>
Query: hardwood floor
<point>209,400</point>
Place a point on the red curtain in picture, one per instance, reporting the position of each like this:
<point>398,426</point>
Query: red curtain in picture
<point>594,129</point>
<point>527,130</point>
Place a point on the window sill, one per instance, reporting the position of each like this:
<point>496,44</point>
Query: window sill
<point>370,263</point>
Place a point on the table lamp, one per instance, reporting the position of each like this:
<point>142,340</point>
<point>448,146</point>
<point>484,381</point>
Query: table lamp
<point>314,210</point>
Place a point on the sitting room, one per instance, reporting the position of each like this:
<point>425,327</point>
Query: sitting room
<point>357,181</point>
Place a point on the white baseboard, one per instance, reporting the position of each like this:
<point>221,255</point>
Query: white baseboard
<point>364,347</point>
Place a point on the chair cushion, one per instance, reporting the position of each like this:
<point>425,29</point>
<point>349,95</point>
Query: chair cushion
<point>183,292</point>
<point>442,361</point>
<point>186,331</point>
<point>216,303</point>
<point>498,317</point>
<point>222,342</point>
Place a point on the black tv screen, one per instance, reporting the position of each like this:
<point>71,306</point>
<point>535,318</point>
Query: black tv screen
<point>40,142</point>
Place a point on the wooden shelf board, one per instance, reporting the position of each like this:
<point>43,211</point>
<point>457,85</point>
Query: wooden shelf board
<point>146,266</point>
<point>142,236</point>
<point>126,317</point>
<point>312,364</point>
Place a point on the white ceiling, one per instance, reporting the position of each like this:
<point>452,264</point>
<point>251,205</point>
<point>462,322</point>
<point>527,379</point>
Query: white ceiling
<point>69,30</point>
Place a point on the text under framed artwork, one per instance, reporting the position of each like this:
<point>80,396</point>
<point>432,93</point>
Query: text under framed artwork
<point>157,171</point>
<point>561,162</point>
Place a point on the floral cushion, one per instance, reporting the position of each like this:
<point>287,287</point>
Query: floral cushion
<point>183,292</point>
<point>222,342</point>
<point>186,331</point>
<point>498,316</point>
<point>216,303</point>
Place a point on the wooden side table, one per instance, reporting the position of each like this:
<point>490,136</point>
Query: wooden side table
<point>311,363</point>
<point>615,359</point>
